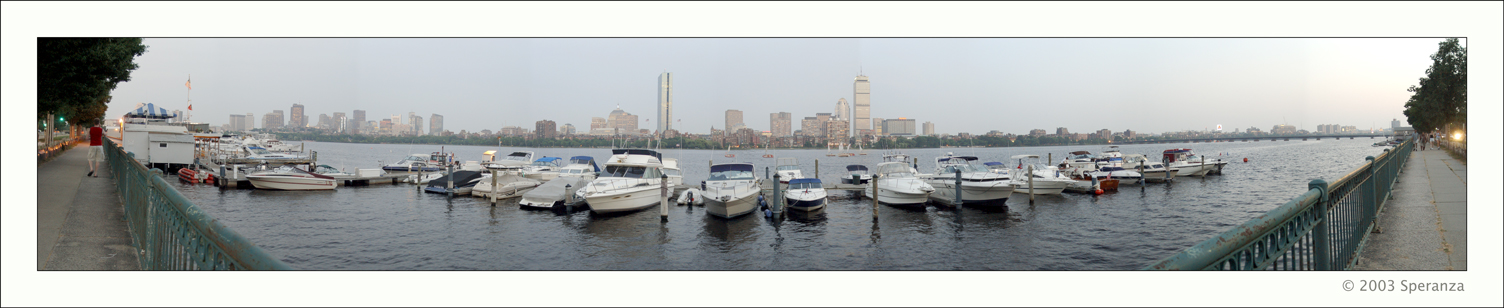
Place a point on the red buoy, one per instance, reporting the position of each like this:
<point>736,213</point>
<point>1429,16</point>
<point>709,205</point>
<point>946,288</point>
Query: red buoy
<point>1245,159</point>
<point>1099,191</point>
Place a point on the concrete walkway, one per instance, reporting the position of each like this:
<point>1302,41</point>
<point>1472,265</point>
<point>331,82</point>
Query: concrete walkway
<point>80,222</point>
<point>1425,226</point>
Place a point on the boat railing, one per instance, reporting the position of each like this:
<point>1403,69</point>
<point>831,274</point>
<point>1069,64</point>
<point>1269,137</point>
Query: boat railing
<point>172,233</point>
<point>1324,228</point>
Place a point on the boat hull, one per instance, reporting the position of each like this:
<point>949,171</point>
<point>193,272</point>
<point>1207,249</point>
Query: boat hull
<point>623,201</point>
<point>732,207</point>
<point>805,200</point>
<point>971,192</point>
<point>894,197</point>
<point>1041,187</point>
<point>291,183</point>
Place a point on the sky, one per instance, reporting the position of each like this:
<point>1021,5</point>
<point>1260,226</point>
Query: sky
<point>971,85</point>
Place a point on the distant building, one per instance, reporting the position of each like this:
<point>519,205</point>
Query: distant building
<point>545,129</point>
<point>1130,134</point>
<point>435,124</point>
<point>861,113</point>
<point>899,127</point>
<point>1283,129</point>
<point>780,124</point>
<point>358,121</point>
<point>325,121</point>
<point>416,122</point>
<point>929,128</point>
<point>733,118</point>
<point>1062,132</point>
<point>665,101</point>
<point>622,122</point>
<point>843,110</point>
<point>812,127</point>
<point>340,122</point>
<point>239,123</point>
<point>598,122</point>
<point>1037,132</point>
<point>298,119</point>
<point>878,129</point>
<point>272,121</point>
<point>566,130</point>
<point>1104,134</point>
<point>836,131</point>
<point>386,126</point>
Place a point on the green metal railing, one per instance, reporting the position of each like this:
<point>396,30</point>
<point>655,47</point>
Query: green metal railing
<point>1322,229</point>
<point>170,232</point>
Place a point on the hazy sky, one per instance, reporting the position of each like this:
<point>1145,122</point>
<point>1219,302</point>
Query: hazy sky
<point>962,85</point>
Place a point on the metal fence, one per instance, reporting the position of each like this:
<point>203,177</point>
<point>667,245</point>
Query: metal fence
<point>1322,229</point>
<point>173,234</point>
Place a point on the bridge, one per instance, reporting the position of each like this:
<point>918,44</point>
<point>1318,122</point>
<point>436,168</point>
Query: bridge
<point>1256,138</point>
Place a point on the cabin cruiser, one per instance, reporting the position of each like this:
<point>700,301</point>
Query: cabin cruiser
<point>896,185</point>
<point>518,159</point>
<point>857,175</point>
<point>805,194</point>
<point>1191,164</point>
<point>580,171</point>
<point>1124,176</point>
<point>544,169</point>
<point>421,162</point>
<point>509,183</point>
<point>630,181</point>
<point>1153,171</point>
<point>464,182</point>
<point>290,178</point>
<point>260,153</point>
<point>731,190</point>
<point>978,185</point>
<point>1047,179</point>
<point>671,169</point>
<point>788,169</point>
<point>1079,160</point>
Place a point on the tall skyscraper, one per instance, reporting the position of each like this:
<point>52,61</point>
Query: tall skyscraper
<point>929,128</point>
<point>250,121</point>
<point>843,110</point>
<point>297,120</point>
<point>862,111</point>
<point>340,122</point>
<point>781,124</point>
<point>733,118</point>
<point>435,124</point>
<point>417,124</point>
<point>665,102</point>
<point>545,129</point>
<point>359,123</point>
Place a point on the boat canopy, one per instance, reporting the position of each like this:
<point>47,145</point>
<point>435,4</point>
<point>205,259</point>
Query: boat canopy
<point>1109,169</point>
<point>732,171</point>
<point>966,158</point>
<point>547,160</point>
<point>805,183</point>
<point>804,180</point>
<point>637,152</point>
<point>1023,156</point>
<point>585,160</point>
<point>151,111</point>
<point>894,168</point>
<point>1080,153</point>
<point>854,168</point>
<point>1177,151</point>
<point>993,163</point>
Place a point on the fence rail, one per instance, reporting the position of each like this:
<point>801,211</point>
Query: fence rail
<point>1322,229</point>
<point>173,234</point>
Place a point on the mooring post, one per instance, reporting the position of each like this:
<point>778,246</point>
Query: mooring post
<point>449,173</point>
<point>1031,183</point>
<point>663,198</point>
<point>1142,180</point>
<point>494,188</point>
<point>817,168</point>
<point>568,199</point>
<point>959,201</point>
<point>221,176</point>
<point>874,197</point>
<point>777,203</point>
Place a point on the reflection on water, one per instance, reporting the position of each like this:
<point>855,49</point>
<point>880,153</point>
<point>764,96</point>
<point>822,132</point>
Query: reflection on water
<point>397,227</point>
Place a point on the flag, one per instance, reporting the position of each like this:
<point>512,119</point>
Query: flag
<point>190,107</point>
<point>189,84</point>
<point>1020,164</point>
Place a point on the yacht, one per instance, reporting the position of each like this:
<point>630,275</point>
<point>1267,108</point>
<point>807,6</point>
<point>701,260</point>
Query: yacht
<point>630,181</point>
<point>420,162</point>
<point>1123,176</point>
<point>260,153</point>
<point>1047,179</point>
<point>896,185</point>
<point>788,169</point>
<point>1153,171</point>
<point>978,185</point>
<point>805,194</point>
<point>856,175</point>
<point>544,169</point>
<point>518,159</point>
<point>1191,164</point>
<point>464,182</point>
<point>290,178</point>
<point>508,183</point>
<point>731,190</point>
<point>671,169</point>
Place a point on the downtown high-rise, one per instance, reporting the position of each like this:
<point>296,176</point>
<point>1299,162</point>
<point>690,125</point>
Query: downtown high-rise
<point>665,102</point>
<point>861,117</point>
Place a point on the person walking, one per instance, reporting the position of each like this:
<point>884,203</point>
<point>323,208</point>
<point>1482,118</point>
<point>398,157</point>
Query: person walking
<point>96,148</point>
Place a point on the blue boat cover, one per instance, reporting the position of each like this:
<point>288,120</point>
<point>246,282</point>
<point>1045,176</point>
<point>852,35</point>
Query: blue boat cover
<point>959,157</point>
<point>732,167</point>
<point>856,167</point>
<point>804,180</point>
<point>548,159</point>
<point>585,160</point>
<point>992,163</point>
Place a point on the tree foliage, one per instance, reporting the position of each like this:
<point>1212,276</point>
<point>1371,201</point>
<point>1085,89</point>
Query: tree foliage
<point>74,74</point>
<point>1441,96</point>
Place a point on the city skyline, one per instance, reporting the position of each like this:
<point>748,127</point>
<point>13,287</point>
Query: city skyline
<point>1299,82</point>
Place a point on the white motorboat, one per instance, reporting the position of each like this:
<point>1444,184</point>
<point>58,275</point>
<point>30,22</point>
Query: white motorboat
<point>978,185</point>
<point>897,185</point>
<point>1191,164</point>
<point>553,193</point>
<point>508,184</point>
<point>420,162</point>
<point>518,159</point>
<point>1079,160</point>
<point>290,178</point>
<point>857,175</point>
<point>630,181</point>
<point>1047,179</point>
<point>731,190</point>
<point>260,153</point>
<point>464,182</point>
<point>805,194</point>
<point>1153,171</point>
<point>675,175</point>
<point>788,169</point>
<point>544,169</point>
<point>1124,176</point>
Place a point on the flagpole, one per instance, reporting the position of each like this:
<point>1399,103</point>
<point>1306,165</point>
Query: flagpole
<point>189,84</point>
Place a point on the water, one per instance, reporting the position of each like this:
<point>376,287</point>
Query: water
<point>396,227</point>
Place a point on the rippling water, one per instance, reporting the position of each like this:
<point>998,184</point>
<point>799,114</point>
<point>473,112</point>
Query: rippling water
<point>396,227</point>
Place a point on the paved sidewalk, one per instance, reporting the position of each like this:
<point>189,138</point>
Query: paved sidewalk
<point>1425,226</point>
<point>80,222</point>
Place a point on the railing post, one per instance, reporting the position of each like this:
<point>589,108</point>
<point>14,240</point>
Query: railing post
<point>1321,255</point>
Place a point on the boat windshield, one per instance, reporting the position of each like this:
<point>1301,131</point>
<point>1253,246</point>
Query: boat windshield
<point>543,163</point>
<point>951,169</point>
<point>417,158</point>
<point>811,185</point>
<point>624,172</point>
<point>731,172</point>
<point>789,167</point>
<point>259,151</point>
<point>517,157</point>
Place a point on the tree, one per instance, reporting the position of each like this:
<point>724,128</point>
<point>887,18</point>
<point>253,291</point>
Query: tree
<point>73,73</point>
<point>1441,96</point>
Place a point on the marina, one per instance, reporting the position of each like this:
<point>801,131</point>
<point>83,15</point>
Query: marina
<point>401,227</point>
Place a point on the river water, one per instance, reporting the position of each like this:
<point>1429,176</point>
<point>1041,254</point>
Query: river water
<point>397,227</point>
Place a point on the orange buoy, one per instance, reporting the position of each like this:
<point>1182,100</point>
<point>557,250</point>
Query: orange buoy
<point>1099,191</point>
<point>1245,159</point>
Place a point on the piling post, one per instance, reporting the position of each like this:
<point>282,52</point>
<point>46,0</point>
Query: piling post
<point>777,203</point>
<point>221,176</point>
<point>1142,180</point>
<point>663,198</point>
<point>817,168</point>
<point>450,174</point>
<point>959,201</point>
<point>874,197</point>
<point>494,188</point>
<point>568,199</point>
<point>1031,183</point>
